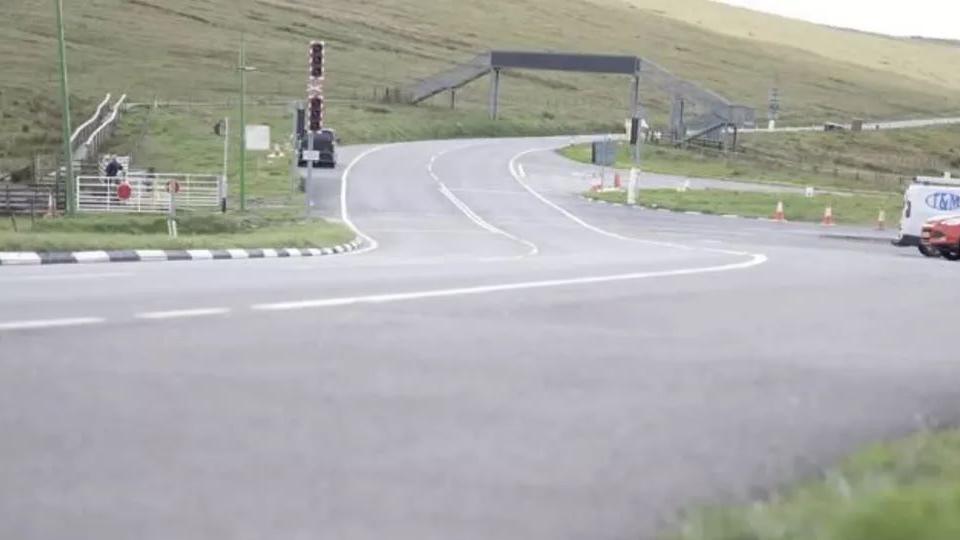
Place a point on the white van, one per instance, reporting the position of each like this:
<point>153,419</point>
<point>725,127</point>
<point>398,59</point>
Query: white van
<point>927,197</point>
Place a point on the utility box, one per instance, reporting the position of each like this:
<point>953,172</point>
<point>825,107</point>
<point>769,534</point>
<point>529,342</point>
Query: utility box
<point>856,124</point>
<point>604,153</point>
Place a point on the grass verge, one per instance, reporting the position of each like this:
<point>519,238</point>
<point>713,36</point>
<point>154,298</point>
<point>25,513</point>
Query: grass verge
<point>868,161</point>
<point>112,232</point>
<point>854,209</point>
<point>908,489</point>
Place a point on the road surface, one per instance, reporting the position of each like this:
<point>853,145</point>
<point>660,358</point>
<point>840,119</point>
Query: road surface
<point>509,362</point>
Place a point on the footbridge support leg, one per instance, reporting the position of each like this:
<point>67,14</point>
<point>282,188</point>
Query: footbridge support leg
<point>494,93</point>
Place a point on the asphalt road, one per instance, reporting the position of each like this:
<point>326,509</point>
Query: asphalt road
<point>506,360</point>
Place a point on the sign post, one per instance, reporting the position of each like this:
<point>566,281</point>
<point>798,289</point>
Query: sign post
<point>632,187</point>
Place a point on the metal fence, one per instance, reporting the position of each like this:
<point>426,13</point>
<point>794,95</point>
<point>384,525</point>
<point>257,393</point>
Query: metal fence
<point>150,193</point>
<point>26,199</point>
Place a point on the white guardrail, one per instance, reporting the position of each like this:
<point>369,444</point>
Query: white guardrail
<point>150,193</point>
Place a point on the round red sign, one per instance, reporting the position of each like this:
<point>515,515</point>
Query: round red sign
<point>124,191</point>
<point>173,186</point>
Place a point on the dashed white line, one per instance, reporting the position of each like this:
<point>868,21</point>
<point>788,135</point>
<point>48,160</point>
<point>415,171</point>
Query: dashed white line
<point>49,323</point>
<point>182,313</point>
<point>467,211</point>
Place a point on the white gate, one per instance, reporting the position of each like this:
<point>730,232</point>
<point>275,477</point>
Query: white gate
<point>150,193</point>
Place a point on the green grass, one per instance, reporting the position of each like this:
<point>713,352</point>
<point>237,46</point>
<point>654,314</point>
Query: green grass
<point>870,161</point>
<point>908,489</point>
<point>855,209</point>
<point>106,232</point>
<point>187,50</point>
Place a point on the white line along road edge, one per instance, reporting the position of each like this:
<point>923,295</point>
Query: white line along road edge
<point>371,244</point>
<point>467,211</point>
<point>518,173</point>
<point>755,260</point>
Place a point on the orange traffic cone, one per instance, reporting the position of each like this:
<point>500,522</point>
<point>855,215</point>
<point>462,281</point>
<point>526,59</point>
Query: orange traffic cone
<point>596,184</point>
<point>882,220</point>
<point>828,217</point>
<point>778,215</point>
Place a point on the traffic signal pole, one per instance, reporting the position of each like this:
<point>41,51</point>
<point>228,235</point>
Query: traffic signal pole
<point>65,98</point>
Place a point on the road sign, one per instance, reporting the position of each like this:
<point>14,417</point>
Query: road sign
<point>311,155</point>
<point>124,191</point>
<point>173,186</point>
<point>258,137</point>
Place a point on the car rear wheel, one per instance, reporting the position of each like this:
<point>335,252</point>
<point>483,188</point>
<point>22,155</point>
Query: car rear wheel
<point>951,254</point>
<point>928,251</point>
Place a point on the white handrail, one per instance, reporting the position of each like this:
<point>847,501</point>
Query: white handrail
<point>94,118</point>
<point>108,121</point>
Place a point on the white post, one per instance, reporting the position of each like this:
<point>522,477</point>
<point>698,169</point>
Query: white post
<point>632,187</point>
<point>226,146</point>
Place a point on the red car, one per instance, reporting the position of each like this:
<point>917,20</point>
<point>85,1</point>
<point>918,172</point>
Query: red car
<point>941,236</point>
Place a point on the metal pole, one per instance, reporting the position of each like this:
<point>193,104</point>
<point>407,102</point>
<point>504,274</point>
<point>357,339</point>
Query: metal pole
<point>243,123</point>
<point>65,98</point>
<point>223,182</point>
<point>309,179</point>
<point>494,93</point>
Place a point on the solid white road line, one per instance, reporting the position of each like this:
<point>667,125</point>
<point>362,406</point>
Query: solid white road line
<point>514,163</point>
<point>486,289</point>
<point>182,314</point>
<point>467,211</point>
<point>49,323</point>
<point>371,244</point>
<point>514,171</point>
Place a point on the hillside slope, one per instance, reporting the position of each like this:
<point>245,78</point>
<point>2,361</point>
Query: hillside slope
<point>187,49</point>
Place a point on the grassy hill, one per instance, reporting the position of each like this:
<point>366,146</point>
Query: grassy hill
<point>186,50</point>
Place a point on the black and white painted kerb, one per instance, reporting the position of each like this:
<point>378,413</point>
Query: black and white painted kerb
<point>151,255</point>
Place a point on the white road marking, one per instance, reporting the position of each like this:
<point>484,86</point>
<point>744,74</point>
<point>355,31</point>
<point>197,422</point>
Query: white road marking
<point>523,173</point>
<point>514,162</point>
<point>489,191</point>
<point>516,176</point>
<point>182,314</point>
<point>467,211</point>
<point>755,260</point>
<point>49,323</point>
<point>65,277</point>
<point>371,244</point>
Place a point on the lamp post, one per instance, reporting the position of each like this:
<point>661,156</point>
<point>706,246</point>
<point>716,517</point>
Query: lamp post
<point>65,98</point>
